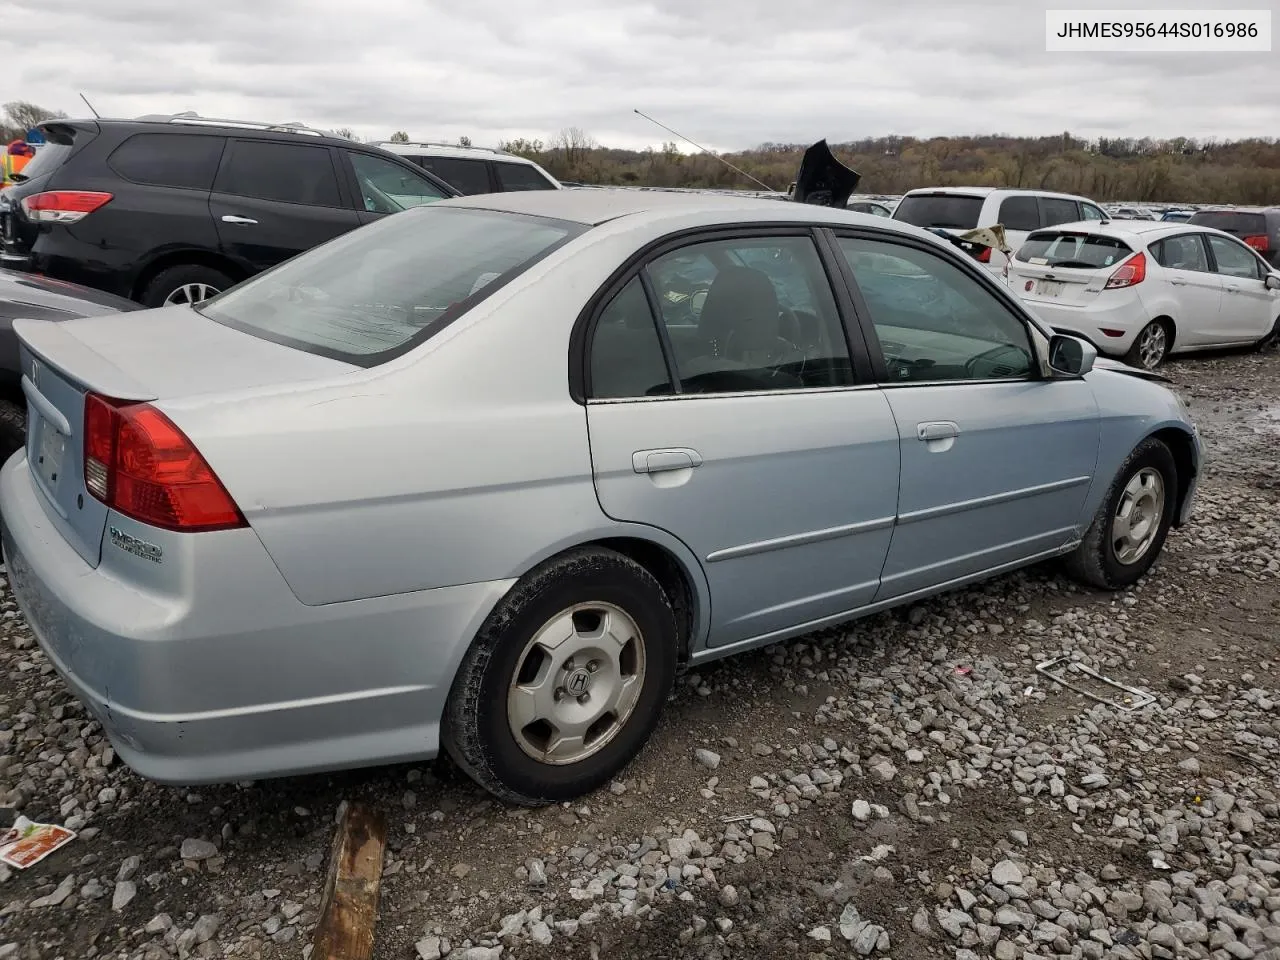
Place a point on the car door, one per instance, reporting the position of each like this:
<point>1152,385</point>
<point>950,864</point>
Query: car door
<point>996,461</point>
<point>273,199</point>
<point>382,186</point>
<point>1195,289</point>
<point>1248,307</point>
<point>751,439</point>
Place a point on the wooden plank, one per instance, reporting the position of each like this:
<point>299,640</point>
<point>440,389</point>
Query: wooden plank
<point>349,907</point>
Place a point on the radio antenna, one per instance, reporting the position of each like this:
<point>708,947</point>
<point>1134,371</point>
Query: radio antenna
<point>97,116</point>
<point>710,153</point>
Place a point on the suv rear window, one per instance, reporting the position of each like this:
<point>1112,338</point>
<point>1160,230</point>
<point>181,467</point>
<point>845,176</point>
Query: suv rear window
<point>376,292</point>
<point>1057,248</point>
<point>1240,223</point>
<point>951,210</point>
<point>48,158</point>
<point>168,159</point>
<point>466,176</point>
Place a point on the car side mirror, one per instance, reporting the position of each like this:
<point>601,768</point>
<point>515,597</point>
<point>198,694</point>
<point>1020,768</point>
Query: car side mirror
<point>1071,356</point>
<point>1272,282</point>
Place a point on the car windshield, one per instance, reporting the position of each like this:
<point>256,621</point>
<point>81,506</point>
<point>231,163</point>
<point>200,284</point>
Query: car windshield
<point>1061,249</point>
<point>946,210</point>
<point>1232,221</point>
<point>378,291</point>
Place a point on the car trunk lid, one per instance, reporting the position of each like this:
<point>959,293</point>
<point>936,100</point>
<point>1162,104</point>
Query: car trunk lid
<point>140,356</point>
<point>1065,267</point>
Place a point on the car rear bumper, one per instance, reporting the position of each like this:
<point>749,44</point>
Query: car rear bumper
<point>1090,322</point>
<point>230,677</point>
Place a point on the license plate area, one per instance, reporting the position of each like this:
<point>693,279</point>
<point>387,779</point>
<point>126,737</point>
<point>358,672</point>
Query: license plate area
<point>50,452</point>
<point>1050,288</point>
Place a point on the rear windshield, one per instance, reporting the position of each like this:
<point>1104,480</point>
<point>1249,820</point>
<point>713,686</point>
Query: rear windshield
<point>1232,221</point>
<point>378,291</point>
<point>1056,248</point>
<point>940,210</point>
<point>48,158</point>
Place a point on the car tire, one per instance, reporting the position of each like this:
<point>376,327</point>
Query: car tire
<point>1150,346</point>
<point>1147,483</point>
<point>510,719</point>
<point>1272,339</point>
<point>187,279</point>
<point>13,429</point>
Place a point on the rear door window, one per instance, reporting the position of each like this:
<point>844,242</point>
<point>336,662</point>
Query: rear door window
<point>168,159</point>
<point>466,176</point>
<point>1081,250</point>
<point>1055,210</point>
<point>520,176</point>
<point>1019,213</point>
<point>1184,252</point>
<point>946,210</point>
<point>286,172</point>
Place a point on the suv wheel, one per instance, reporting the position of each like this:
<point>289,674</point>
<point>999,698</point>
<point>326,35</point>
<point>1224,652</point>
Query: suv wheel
<point>186,283</point>
<point>564,682</point>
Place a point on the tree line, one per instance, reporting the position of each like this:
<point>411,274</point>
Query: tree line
<point>1176,170</point>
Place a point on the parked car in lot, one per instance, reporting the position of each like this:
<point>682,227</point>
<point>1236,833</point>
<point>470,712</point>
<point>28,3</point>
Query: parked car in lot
<point>873,207</point>
<point>551,485</point>
<point>959,209</point>
<point>1259,227</point>
<point>1177,216</point>
<point>1144,289</point>
<point>175,209</point>
<point>473,170</point>
<point>41,298</point>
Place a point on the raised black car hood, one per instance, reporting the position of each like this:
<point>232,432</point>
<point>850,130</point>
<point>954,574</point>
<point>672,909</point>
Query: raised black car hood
<point>823,180</point>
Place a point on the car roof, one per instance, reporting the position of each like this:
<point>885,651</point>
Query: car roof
<point>1238,210</point>
<point>1142,230</point>
<point>449,150</point>
<point>593,206</point>
<point>989,191</point>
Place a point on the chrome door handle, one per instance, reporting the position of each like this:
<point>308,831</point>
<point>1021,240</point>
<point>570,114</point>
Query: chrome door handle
<point>937,430</point>
<point>660,461</point>
<point>232,218</point>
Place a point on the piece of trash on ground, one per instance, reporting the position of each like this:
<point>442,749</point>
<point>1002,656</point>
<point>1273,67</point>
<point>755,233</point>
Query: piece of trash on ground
<point>27,843</point>
<point>1125,698</point>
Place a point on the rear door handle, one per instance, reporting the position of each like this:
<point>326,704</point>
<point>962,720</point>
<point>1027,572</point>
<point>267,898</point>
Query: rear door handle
<point>660,461</point>
<point>937,430</point>
<point>1177,283</point>
<point>232,218</point>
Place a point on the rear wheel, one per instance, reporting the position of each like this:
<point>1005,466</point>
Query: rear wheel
<point>185,283</point>
<point>1130,528</point>
<point>1150,346</point>
<point>565,681</point>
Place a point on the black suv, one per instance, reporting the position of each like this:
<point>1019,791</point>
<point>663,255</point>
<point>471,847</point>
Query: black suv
<point>175,209</point>
<point>1259,227</point>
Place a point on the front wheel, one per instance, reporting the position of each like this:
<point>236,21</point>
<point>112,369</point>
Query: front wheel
<point>1272,339</point>
<point>565,681</point>
<point>1130,527</point>
<point>187,283</point>
<point>1149,347</point>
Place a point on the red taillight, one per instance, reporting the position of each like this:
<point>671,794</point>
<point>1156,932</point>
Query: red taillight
<point>1133,270</point>
<point>62,206</point>
<point>1259,243</point>
<point>139,463</point>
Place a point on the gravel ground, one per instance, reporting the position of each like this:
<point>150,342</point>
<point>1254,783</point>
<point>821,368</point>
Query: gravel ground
<point>905,787</point>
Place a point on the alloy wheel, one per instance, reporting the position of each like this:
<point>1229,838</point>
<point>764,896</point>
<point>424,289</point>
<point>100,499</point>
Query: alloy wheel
<point>1138,516</point>
<point>191,293</point>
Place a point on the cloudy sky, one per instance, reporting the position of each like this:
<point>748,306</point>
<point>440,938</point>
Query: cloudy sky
<point>728,73</point>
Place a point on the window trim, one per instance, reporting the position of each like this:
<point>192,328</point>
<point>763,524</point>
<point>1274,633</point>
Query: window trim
<point>345,200</point>
<point>583,333</point>
<point>966,265</point>
<point>1204,248</point>
<point>217,166</point>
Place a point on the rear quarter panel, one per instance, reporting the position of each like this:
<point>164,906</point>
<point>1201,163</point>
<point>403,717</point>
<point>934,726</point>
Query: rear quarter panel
<point>464,461</point>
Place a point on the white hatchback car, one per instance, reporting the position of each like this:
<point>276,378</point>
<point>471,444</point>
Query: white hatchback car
<point>1143,289</point>
<point>956,210</point>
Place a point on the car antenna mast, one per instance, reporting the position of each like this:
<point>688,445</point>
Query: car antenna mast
<point>96,115</point>
<point>709,153</point>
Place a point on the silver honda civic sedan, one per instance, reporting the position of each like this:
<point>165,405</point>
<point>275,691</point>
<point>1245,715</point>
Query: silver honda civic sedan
<point>487,474</point>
